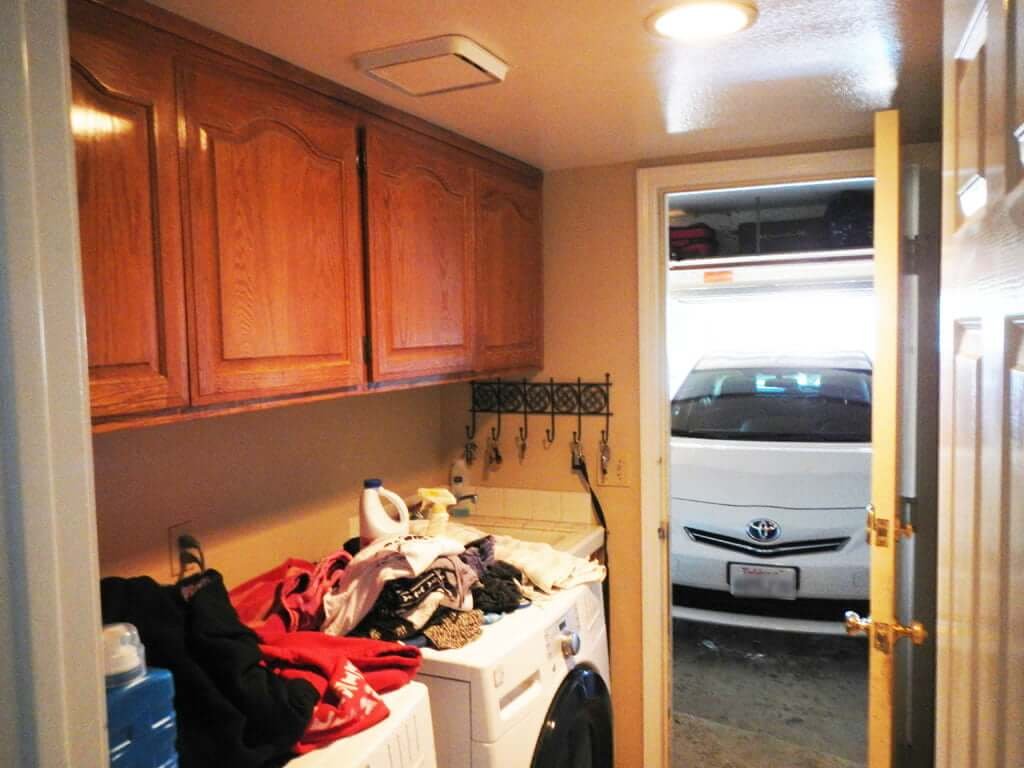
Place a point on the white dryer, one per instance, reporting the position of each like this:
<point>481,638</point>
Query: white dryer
<point>402,740</point>
<point>533,692</point>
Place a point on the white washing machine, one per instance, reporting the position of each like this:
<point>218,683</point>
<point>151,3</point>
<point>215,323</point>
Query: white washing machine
<point>404,739</point>
<point>533,692</point>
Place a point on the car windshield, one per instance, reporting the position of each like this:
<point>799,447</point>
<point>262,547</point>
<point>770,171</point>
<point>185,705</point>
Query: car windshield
<point>784,404</point>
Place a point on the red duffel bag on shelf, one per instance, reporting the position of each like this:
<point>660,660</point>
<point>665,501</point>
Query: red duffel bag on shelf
<point>692,241</point>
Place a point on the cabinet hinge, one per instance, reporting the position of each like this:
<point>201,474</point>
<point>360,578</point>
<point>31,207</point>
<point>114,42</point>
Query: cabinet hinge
<point>366,350</point>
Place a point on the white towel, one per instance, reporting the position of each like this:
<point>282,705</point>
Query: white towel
<point>546,567</point>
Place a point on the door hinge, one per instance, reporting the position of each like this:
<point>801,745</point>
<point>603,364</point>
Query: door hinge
<point>881,528</point>
<point>662,531</point>
<point>367,352</point>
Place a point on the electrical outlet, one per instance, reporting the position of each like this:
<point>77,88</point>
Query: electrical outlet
<point>618,472</point>
<point>184,528</point>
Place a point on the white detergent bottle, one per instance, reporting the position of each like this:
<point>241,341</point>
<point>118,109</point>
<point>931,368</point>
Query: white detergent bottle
<point>375,521</point>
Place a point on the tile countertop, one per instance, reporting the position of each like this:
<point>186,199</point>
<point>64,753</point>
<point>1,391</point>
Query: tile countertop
<point>564,520</point>
<point>578,539</point>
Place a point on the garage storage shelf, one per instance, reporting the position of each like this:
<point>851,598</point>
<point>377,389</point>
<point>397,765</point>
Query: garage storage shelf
<point>818,220</point>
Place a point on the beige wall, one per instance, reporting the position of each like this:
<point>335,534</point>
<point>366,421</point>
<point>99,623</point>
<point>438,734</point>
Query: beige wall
<point>260,486</point>
<point>590,327</point>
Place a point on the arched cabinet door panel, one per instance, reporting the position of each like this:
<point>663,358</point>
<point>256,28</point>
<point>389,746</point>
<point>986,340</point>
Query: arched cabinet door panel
<point>275,241</point>
<point>126,158</point>
<point>420,224</point>
<point>510,321</point>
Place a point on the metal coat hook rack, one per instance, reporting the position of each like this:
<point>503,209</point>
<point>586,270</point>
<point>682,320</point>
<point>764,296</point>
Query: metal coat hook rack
<point>549,398</point>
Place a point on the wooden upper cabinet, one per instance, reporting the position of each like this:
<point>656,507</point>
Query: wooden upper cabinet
<point>275,245</point>
<point>420,224</point>
<point>126,158</point>
<point>510,323</point>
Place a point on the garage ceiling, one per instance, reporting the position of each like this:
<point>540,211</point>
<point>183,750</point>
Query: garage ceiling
<point>589,85</point>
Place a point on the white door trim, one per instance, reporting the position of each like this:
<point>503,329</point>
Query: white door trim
<point>51,683</point>
<point>653,184</point>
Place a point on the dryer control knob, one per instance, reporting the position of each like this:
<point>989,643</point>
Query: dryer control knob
<point>570,644</point>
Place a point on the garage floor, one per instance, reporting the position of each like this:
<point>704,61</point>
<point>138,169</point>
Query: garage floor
<point>757,699</point>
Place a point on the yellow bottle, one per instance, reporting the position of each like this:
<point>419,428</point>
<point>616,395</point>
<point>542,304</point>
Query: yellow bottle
<point>436,502</point>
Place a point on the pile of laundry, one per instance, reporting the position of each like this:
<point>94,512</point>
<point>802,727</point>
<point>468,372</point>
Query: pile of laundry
<point>250,701</point>
<point>297,657</point>
<point>426,591</point>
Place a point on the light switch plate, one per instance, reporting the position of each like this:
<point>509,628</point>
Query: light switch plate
<point>618,472</point>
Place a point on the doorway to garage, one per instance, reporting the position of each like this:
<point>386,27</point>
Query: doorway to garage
<point>770,331</point>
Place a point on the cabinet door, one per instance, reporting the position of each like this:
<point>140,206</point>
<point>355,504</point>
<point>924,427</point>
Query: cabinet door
<point>275,242</point>
<point>124,128</point>
<point>510,291</point>
<point>420,218</point>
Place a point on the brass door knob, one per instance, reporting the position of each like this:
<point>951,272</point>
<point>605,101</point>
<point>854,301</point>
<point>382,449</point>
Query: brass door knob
<point>916,632</point>
<point>855,625</point>
<point>885,634</point>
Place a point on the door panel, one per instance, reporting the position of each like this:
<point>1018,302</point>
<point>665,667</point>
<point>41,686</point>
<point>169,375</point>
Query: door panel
<point>508,264</point>
<point>1014,754</point>
<point>123,124</point>
<point>275,238</point>
<point>980,696</point>
<point>420,224</point>
<point>964,509</point>
<point>886,432</point>
<point>1016,72</point>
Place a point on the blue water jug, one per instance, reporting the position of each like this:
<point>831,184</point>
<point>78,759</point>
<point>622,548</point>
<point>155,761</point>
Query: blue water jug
<point>140,704</point>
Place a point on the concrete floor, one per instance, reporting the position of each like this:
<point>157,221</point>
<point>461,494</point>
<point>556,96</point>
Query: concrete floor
<point>746,698</point>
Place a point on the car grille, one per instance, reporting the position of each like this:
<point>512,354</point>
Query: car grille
<point>808,547</point>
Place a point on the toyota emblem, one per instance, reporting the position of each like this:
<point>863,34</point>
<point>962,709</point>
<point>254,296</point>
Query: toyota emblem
<point>763,530</point>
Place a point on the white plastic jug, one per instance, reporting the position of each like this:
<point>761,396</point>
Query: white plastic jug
<point>375,522</point>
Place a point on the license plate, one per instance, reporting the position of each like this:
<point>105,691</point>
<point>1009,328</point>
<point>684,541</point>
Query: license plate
<point>747,580</point>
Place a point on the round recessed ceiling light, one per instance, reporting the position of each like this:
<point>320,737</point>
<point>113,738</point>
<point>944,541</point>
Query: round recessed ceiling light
<point>696,20</point>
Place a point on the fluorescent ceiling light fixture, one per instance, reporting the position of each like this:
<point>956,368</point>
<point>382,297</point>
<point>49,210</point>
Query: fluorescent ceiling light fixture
<point>973,195</point>
<point>697,20</point>
<point>437,65</point>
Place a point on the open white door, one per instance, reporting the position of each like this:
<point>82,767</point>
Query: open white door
<point>980,630</point>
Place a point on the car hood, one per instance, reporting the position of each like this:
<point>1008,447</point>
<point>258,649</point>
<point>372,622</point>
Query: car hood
<point>777,474</point>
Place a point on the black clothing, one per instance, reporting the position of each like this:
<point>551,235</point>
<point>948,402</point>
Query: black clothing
<point>231,710</point>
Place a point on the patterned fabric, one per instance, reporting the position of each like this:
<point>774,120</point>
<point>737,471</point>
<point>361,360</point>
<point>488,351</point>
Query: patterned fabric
<point>454,629</point>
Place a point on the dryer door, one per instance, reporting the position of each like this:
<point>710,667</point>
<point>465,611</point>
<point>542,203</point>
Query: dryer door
<point>577,732</point>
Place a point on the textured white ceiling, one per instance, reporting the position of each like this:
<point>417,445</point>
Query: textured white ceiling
<point>589,85</point>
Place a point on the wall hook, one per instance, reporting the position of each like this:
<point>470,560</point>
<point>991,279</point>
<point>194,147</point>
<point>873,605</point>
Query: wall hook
<point>577,436</point>
<point>549,433</point>
<point>496,431</point>
<point>471,427</point>
<point>604,451</point>
<point>524,431</point>
<point>607,408</point>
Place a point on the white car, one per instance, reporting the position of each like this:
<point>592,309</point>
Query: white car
<point>771,468</point>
